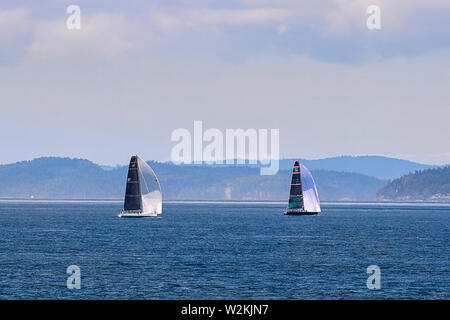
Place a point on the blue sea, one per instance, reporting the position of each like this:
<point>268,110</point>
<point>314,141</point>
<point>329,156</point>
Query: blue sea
<point>214,250</point>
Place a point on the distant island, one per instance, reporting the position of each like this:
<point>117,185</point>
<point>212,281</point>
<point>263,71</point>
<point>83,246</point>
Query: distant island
<point>337,179</point>
<point>426,185</point>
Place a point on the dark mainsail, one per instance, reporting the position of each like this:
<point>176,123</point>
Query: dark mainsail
<point>296,194</point>
<point>133,199</point>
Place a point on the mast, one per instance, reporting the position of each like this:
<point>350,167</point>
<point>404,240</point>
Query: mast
<point>133,198</point>
<point>296,194</point>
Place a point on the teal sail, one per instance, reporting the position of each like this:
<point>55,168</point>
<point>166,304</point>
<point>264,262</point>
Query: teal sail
<point>295,194</point>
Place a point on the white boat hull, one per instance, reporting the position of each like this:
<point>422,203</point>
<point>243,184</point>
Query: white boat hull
<point>136,215</point>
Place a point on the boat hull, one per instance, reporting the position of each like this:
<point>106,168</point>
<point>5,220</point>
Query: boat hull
<point>136,215</point>
<point>300,213</point>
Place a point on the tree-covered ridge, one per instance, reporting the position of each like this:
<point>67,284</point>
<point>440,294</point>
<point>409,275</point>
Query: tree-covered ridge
<point>426,185</point>
<point>64,178</point>
<point>380,167</point>
<point>374,166</point>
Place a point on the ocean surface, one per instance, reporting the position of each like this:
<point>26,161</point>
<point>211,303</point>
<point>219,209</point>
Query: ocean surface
<point>207,250</point>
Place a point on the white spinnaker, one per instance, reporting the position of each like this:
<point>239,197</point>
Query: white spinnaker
<point>150,189</point>
<point>310,196</point>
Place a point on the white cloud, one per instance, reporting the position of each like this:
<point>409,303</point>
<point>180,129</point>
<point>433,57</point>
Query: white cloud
<point>344,16</point>
<point>12,18</point>
<point>212,18</point>
<point>101,35</point>
<point>166,22</point>
<point>282,29</point>
<point>12,22</point>
<point>236,17</point>
<point>338,17</point>
<point>397,105</point>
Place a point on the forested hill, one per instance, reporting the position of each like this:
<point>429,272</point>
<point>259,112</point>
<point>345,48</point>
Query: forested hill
<point>374,166</point>
<point>64,178</point>
<point>426,185</point>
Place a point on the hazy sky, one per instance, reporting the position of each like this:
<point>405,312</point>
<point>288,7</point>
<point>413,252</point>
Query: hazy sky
<point>137,70</point>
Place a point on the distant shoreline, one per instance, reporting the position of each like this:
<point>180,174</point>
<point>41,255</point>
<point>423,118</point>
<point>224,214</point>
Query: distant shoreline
<point>325,203</point>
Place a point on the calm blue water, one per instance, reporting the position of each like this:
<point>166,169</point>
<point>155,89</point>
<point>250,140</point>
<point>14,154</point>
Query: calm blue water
<point>223,251</point>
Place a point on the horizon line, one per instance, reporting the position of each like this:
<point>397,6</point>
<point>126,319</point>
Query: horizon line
<point>223,161</point>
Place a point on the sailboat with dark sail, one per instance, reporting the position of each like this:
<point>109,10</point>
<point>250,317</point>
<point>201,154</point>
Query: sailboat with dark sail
<point>303,196</point>
<point>143,197</point>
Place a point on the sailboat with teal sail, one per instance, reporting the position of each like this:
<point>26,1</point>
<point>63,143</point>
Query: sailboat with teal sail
<point>303,196</point>
<point>143,196</point>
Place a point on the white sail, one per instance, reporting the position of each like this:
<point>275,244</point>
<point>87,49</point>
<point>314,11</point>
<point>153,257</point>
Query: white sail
<point>310,195</point>
<point>150,189</point>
